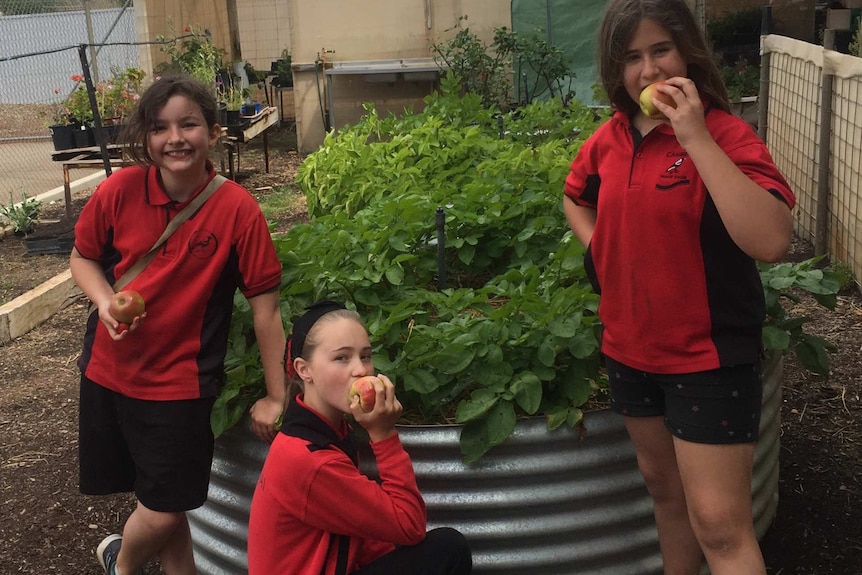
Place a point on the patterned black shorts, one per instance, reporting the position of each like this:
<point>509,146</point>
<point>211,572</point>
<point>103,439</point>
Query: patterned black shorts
<point>719,406</point>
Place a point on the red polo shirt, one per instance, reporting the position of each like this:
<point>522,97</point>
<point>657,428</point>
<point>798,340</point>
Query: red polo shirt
<point>677,294</point>
<point>178,351</point>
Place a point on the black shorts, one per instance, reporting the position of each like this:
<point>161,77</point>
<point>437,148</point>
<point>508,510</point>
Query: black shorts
<point>719,406</point>
<point>161,450</point>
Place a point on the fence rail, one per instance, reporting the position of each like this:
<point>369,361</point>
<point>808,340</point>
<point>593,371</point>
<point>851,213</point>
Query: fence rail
<point>819,152</point>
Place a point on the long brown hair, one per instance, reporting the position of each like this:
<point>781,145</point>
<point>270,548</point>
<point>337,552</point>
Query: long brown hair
<point>154,98</point>
<point>621,19</point>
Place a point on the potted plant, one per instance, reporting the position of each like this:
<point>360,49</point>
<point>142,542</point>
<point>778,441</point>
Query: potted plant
<point>449,239</point>
<point>234,99</point>
<point>282,70</point>
<point>60,126</point>
<point>117,96</point>
<point>80,113</point>
<point>191,53</point>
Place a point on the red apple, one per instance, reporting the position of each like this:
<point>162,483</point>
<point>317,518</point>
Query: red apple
<point>363,387</point>
<point>126,306</point>
<point>649,94</point>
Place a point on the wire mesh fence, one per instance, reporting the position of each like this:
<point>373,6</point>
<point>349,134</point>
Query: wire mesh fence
<point>794,104</point>
<point>799,143</point>
<point>40,54</point>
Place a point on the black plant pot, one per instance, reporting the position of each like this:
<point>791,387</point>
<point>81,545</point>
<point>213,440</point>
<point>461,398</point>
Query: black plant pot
<point>63,136</point>
<point>111,133</point>
<point>84,137</point>
<point>283,80</point>
<point>233,117</point>
<point>221,114</point>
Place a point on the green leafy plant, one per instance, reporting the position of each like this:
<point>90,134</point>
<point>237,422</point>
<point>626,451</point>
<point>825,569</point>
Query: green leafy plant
<point>785,333</point>
<point>232,95</point>
<point>283,70</point>
<point>78,102</point>
<point>23,215</point>
<point>118,95</point>
<point>739,27</point>
<point>192,53</point>
<point>513,331</point>
<point>855,46</point>
<point>481,319</point>
<point>115,98</point>
<point>487,70</point>
<point>742,79</point>
<point>283,64</point>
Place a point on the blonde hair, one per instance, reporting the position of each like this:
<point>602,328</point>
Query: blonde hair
<point>312,340</point>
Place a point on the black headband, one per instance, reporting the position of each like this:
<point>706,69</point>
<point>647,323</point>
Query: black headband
<point>301,327</point>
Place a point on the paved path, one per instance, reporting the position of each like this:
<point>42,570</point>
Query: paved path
<point>26,167</point>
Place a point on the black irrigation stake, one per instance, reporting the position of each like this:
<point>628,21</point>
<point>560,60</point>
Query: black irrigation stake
<point>97,118</point>
<point>441,249</point>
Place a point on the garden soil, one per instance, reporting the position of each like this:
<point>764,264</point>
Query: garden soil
<point>49,527</point>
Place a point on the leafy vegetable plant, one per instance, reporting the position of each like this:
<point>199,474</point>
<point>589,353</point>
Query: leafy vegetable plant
<point>485,320</point>
<point>784,333</point>
<point>23,215</point>
<point>486,317</point>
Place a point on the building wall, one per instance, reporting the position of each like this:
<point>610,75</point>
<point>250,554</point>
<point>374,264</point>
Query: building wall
<point>262,27</point>
<point>321,32</point>
<point>170,17</point>
<point>336,32</point>
<point>264,30</point>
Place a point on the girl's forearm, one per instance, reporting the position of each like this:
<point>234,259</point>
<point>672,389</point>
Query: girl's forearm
<point>758,222</point>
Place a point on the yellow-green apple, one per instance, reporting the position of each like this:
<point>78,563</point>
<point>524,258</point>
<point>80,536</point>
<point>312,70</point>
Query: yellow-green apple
<point>126,305</point>
<point>363,387</point>
<point>649,94</point>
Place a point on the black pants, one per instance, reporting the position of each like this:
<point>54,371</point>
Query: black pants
<point>444,551</point>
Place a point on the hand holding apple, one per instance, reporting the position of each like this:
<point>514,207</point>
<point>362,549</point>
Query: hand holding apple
<point>365,390</point>
<point>125,306</point>
<point>649,94</point>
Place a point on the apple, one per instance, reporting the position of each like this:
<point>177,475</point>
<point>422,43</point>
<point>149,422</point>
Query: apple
<point>363,388</point>
<point>649,94</point>
<point>126,305</point>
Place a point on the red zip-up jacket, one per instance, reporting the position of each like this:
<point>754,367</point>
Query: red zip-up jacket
<point>314,513</point>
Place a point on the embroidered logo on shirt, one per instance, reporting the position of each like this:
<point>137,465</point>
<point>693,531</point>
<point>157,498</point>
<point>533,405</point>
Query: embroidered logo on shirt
<point>673,167</point>
<point>203,244</point>
<point>672,177</point>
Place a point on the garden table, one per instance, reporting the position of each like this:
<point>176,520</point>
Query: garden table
<point>86,158</point>
<point>256,125</point>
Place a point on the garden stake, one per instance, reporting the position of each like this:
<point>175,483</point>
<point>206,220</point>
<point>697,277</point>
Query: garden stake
<point>441,249</point>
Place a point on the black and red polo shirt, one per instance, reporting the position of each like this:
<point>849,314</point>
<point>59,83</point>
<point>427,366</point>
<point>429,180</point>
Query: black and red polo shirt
<point>178,350</point>
<point>677,294</point>
<point>313,511</point>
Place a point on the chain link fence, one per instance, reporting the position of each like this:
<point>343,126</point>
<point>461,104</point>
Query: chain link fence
<point>40,54</point>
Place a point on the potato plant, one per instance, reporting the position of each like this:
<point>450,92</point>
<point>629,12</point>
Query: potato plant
<point>489,317</point>
<point>514,329</point>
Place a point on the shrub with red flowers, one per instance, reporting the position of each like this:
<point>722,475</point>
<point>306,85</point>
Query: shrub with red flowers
<point>77,104</point>
<point>115,98</point>
<point>119,94</point>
